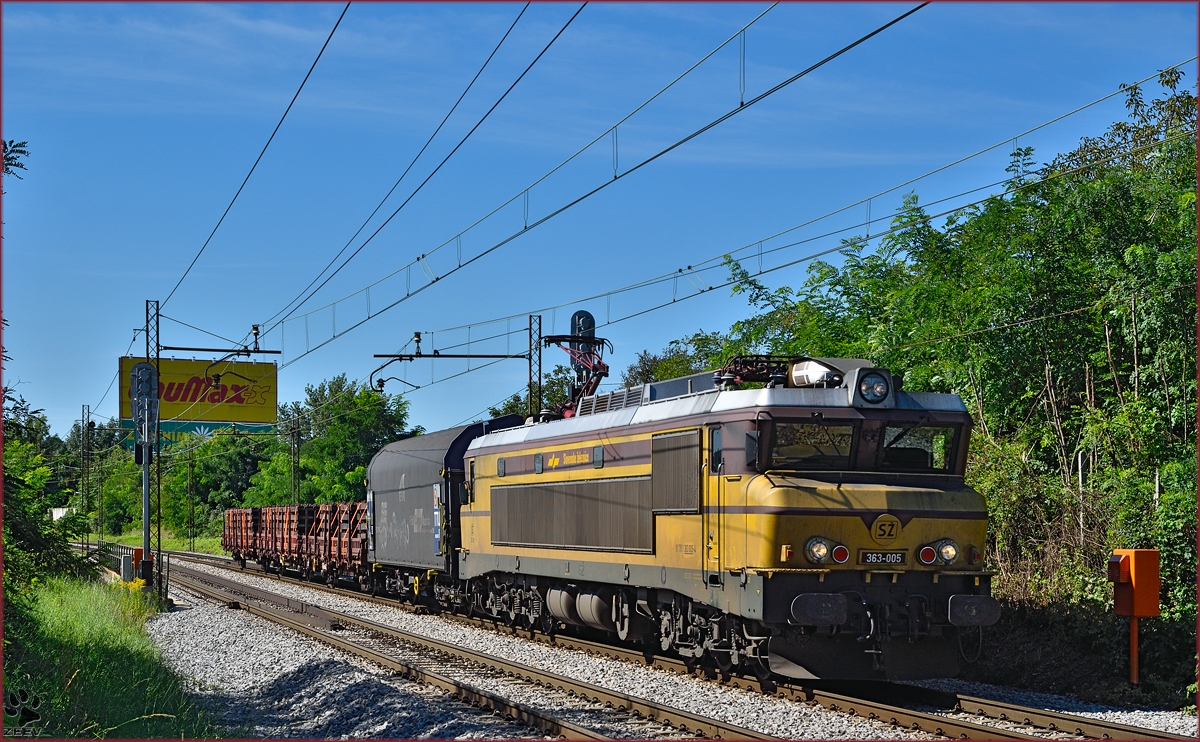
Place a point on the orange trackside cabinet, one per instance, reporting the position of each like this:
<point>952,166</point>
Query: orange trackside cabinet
<point>1134,574</point>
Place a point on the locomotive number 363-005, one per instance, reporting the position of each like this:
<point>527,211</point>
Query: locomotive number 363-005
<point>881,557</point>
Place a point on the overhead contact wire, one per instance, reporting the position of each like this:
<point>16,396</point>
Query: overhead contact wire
<point>407,169</point>
<point>444,160</point>
<point>606,184</point>
<point>257,159</point>
<point>562,164</point>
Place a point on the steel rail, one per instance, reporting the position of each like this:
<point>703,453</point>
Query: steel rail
<point>1058,721</point>
<point>884,704</point>
<point>457,689</point>
<point>1052,720</point>
<point>674,717</point>
<point>663,714</point>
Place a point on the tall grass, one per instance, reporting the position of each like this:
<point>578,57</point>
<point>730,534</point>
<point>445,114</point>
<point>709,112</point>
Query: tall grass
<point>204,544</point>
<point>80,648</point>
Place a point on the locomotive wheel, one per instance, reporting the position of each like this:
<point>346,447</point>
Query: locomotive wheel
<point>724,662</point>
<point>762,671</point>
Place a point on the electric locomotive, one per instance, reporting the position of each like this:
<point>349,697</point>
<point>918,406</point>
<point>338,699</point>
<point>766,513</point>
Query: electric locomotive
<point>814,526</point>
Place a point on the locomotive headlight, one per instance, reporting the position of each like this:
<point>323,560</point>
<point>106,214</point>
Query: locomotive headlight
<point>947,551</point>
<point>873,388</point>
<point>817,550</point>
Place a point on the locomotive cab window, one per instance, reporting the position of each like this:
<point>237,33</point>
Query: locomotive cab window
<point>918,447</point>
<point>805,445</point>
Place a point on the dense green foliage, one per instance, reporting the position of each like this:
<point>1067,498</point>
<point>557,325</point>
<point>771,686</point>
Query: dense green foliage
<point>1063,311</point>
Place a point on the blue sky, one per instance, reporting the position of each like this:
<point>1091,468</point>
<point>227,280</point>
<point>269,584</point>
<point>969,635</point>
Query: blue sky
<point>142,120</point>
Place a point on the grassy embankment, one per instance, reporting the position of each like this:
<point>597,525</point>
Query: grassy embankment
<point>78,651</point>
<point>204,544</point>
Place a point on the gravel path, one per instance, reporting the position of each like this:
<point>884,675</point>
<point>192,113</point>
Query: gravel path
<point>259,680</point>
<point>775,716</point>
<point>1175,722</point>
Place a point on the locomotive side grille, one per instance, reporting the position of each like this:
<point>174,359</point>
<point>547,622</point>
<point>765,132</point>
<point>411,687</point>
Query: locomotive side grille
<point>603,515</point>
<point>610,401</point>
<point>675,464</point>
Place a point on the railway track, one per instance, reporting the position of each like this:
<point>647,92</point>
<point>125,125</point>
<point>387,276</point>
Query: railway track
<point>319,624</point>
<point>887,702</point>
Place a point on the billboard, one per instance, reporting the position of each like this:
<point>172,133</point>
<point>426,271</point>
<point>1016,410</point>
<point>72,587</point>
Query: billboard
<point>245,392</point>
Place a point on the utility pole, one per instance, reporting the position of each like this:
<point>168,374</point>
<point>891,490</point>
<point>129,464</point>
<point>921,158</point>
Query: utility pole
<point>294,436</point>
<point>535,365</point>
<point>191,502</point>
<point>153,344</point>
<point>85,460</point>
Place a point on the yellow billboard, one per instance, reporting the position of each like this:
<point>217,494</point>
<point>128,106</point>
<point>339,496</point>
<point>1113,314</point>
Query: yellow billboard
<point>228,391</point>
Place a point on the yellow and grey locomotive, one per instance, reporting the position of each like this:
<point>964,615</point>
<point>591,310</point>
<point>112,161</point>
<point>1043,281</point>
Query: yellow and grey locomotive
<point>816,527</point>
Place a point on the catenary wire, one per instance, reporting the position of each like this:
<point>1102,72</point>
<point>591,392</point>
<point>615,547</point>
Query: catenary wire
<point>407,169</point>
<point>198,329</point>
<point>750,245</point>
<point>115,375</point>
<point>660,279</point>
<point>923,220</point>
<point>616,178</point>
<point>443,162</point>
<point>578,152</point>
<point>813,256</point>
<point>257,159</point>
<point>893,230</point>
<point>695,267</point>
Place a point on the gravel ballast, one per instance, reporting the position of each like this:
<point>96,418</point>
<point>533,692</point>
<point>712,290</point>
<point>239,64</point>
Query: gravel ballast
<point>770,715</point>
<point>257,679</point>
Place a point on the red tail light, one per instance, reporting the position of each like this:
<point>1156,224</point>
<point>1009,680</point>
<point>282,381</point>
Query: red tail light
<point>927,555</point>
<point>840,554</point>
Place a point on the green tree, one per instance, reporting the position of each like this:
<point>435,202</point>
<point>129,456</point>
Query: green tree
<point>556,392</point>
<point>341,425</point>
<point>14,152</point>
<point>35,547</point>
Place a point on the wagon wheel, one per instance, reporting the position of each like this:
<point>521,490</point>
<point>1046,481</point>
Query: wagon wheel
<point>724,662</point>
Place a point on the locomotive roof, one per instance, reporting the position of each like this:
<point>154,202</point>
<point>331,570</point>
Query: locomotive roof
<point>697,395</point>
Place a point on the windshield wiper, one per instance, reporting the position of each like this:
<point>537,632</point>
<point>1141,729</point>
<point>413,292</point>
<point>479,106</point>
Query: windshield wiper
<point>900,437</point>
<point>825,430</point>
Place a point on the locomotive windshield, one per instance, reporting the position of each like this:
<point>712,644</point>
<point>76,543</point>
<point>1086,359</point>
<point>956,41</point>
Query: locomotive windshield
<point>811,446</point>
<point>918,447</point>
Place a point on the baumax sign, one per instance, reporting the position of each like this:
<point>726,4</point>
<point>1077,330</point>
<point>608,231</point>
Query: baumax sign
<point>229,391</point>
